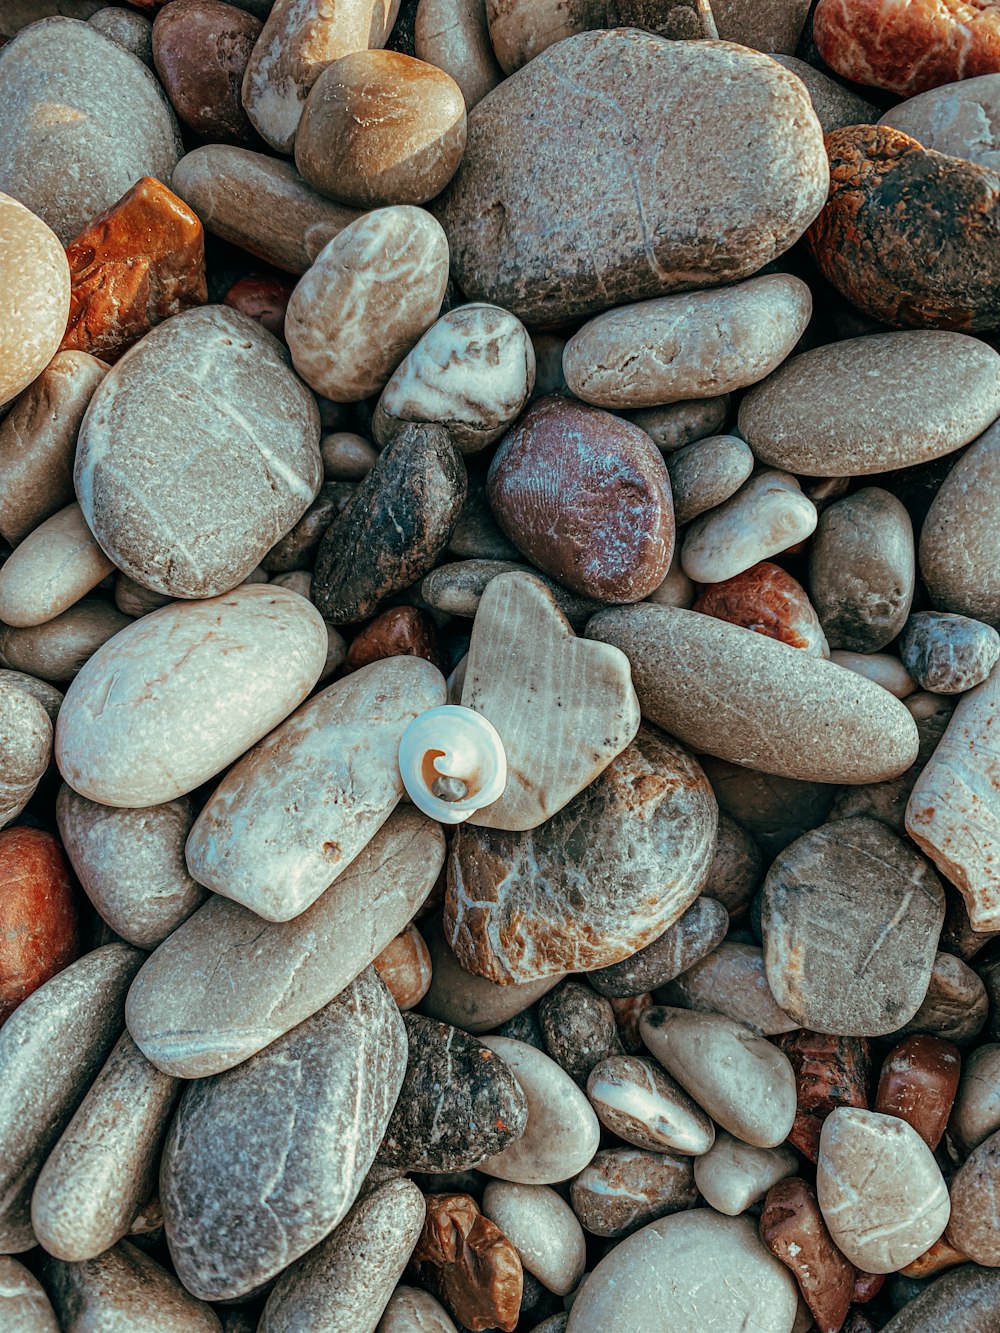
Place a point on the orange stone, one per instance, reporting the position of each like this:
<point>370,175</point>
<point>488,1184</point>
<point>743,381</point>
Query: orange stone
<point>829,1072</point>
<point>405,967</point>
<point>918,1084</point>
<point>770,602</point>
<point>135,265</point>
<point>402,631</point>
<point>39,920</point>
<point>470,1262</point>
<point>940,1256</point>
<point>866,1286</point>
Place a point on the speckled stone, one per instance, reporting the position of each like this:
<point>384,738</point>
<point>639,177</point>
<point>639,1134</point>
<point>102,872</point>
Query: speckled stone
<point>974,1192</point>
<point>47,695</point>
<point>129,30</point>
<point>201,49</point>
<point>970,1294</point>
<point>730,980</point>
<point>695,933</point>
<point>944,652</point>
<point>636,1100</point>
<point>121,1290</point>
<point>957,119</point>
<point>769,601</point>
<point>918,1083</point>
<point>956,1004</point>
<point>35,274</point>
<point>623,1189</point>
<point>412,1310</point>
<point>707,473</point>
<point>578,1028</point>
<point>24,1306</point>
<point>830,1071</point>
<point>25,748</point>
<point>792,1228</point>
<point>39,914</point>
<point>732,1175</point>
<point>976,1112</point>
<point>283,1142</point>
<point>467,1258</point>
<point>554,260</point>
<point>521,906</point>
<point>834,104</point>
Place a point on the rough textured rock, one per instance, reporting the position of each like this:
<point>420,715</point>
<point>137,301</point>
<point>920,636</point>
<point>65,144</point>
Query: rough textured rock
<point>578,1028</point>
<point>970,1294</point>
<point>24,1306</point>
<point>695,933</point>
<point>957,119</point>
<point>830,1071</point>
<point>622,1189</point>
<point>733,1175</point>
<point>947,653</point>
<point>918,1083</point>
<point>834,104</point>
<point>535,251</point>
<point>542,1228</point>
<point>706,473</point>
<point>129,30</point>
<point>201,49</point>
<point>792,1228</point>
<point>39,916</point>
<point>636,1100</point>
<point>769,601</point>
<point>120,1290</point>
<point>34,272</point>
<point>56,564</point>
<point>730,980</point>
<point>265,1160</point>
<point>467,1258</point>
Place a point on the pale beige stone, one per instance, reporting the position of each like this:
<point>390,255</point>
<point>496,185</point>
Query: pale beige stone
<point>412,1310</point>
<point>454,36</point>
<point>25,748</point>
<point>56,564</point>
<point>59,648</point>
<point>47,695</point>
<point>960,119</point>
<point>879,1188</point>
<point>767,514</point>
<point>24,1306</point>
<point>730,980</point>
<point>733,1175</point>
<point>543,1229</point>
<point>636,1100</point>
<point>676,589</point>
<point>522,29</point>
<point>882,668</point>
<point>34,275</point>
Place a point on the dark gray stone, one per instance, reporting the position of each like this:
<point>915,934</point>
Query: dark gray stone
<point>579,1028</point>
<point>693,935</point>
<point>947,653</point>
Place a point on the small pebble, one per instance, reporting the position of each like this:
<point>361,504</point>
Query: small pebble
<point>39,914</point>
<point>732,1175</point>
<point>405,967</point>
<point>830,1071</point>
<point>636,1100</point>
<point>695,933</point>
<point>767,515</point>
<point>542,1228</point>
<point>947,653</point>
<point>918,1083</point>
<point>623,1189</point>
<point>792,1228</point>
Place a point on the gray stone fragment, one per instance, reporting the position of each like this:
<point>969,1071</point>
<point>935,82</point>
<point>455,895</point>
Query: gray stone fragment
<point>693,935</point>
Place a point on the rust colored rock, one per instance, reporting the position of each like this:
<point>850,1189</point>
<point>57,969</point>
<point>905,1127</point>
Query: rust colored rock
<point>556,486</point>
<point>263,299</point>
<point>405,967</point>
<point>918,1084</point>
<point>867,1286</point>
<point>792,1228</point>
<point>136,264</point>
<point>39,920</point>
<point>939,1257</point>
<point>829,1072</point>
<point>767,600</point>
<point>908,235</point>
<point>201,49</point>
<point>470,1262</point>
<point>402,631</point>
<point>908,48</point>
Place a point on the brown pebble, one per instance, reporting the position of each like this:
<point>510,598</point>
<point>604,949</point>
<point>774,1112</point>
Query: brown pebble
<point>624,1188</point>
<point>792,1228</point>
<point>263,299</point>
<point>39,915</point>
<point>401,631</point>
<point>405,967</point>
<point>918,1084</point>
<point>939,1257</point>
<point>694,934</point>
<point>201,49</point>
<point>467,1258</point>
<point>830,1071</point>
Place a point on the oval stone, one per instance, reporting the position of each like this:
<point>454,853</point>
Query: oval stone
<point>944,652</point>
<point>707,473</point>
<point>413,1310</point>
<point>191,687</point>
<point>517,231</point>
<point>624,1188</point>
<point>733,1175</point>
<point>918,1083</point>
<point>35,273</point>
<point>970,1294</point>
<point>769,601</point>
<point>636,1100</point>
<point>124,1288</point>
<point>24,1306</point>
<point>59,648</point>
<point>25,748</point>
<point>201,49</point>
<point>957,118</point>
<point>52,568</point>
<point>405,967</point>
<point>39,917</point>
<point>976,1113</point>
<point>695,933</point>
<point>454,36</point>
<point>767,515</point>
<point>542,1228</point>
<point>730,980</point>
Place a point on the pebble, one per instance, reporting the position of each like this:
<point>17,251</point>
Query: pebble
<point>520,906</point>
<point>454,36</point>
<point>38,442</point>
<point>201,49</point>
<point>691,671</point>
<point>234,492</point>
<point>459,1102</point>
<point>688,345</point>
<point>347,1280</point>
<point>562,1131</point>
<point>694,934</point>
<point>736,872</point>
<point>57,1039</point>
<point>769,601</point>
<point>25,748</point>
<point>744,1082</point>
<point>24,1306</point>
<point>972,1227</point>
<point>771,810</point>
<point>56,564</point>
<point>732,1175</point>
<point>103,1169</point>
<point>389,271</point>
<point>227,984</point>
<point>730,980</point>
<point>792,1228</point>
<point>283,1142</point>
<point>39,915</point>
<point>830,1071</point>
<point>297,549</point>
<point>405,967</point>
<point>117,124</point>
<point>677,424</point>
<point>412,1310</point>
<point>880,1189</point>
<point>970,1293</point>
<point>347,457</point>
<point>542,1228</point>
<point>834,104</point>
<point>976,1112</point>
<point>394,528</point>
<point>260,204</point>
<point>767,515</point>
<point>659,1279</point>
<point>401,631</point>
<point>263,299</point>
<point>956,1004</point>
<point>58,649</point>
<point>638,1102</point>
<point>131,863</point>
<point>35,274</point>
<point>623,1189</point>
<point>123,1289</point>
<point>456,589</point>
<point>939,1257</point>
<point>946,653</point>
<point>956,119</point>
<point>578,1028</point>
<point>127,29</point>
<point>465,1256</point>
<point>706,473</point>
<point>882,668</point>
<point>553,260</point>
<point>875,403</point>
<point>520,30</point>
<point>242,661</point>
<point>918,1083</point>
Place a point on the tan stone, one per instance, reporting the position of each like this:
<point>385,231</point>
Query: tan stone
<point>454,36</point>
<point>703,475</point>
<point>733,1175</point>
<point>730,980</point>
<point>61,647</point>
<point>678,424</point>
<point>413,1310</point>
<point>767,515</point>
<point>346,456</point>
<point>25,748</point>
<point>34,274</point>
<point>56,564</point>
<point>636,1100</point>
<point>882,668</point>
<point>24,1306</point>
<point>405,967</point>
<point>835,105</point>
<point>959,119</point>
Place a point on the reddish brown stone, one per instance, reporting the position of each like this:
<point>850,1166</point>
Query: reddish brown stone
<point>940,1256</point>
<point>918,1084</point>
<point>402,631</point>
<point>139,262</point>
<point>263,299</point>
<point>866,1286</point>
<point>628,1012</point>
<point>405,967</point>
<point>829,1072</point>
<point>39,922</point>
<point>908,48</point>
<point>910,236</point>
<point>792,1228</point>
<point>586,497</point>
<point>470,1262</point>
<point>770,602</point>
<point>200,50</point>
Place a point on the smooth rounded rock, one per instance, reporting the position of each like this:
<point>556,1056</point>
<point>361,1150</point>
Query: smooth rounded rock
<point>24,1306</point>
<point>454,36</point>
<point>542,1228</point>
<point>834,104</point>
<point>129,30</point>
<point>622,1189</point>
<point>56,564</point>
<point>39,914</point>
<point>58,649</point>
<point>918,1083</point>
<point>974,1192</point>
<point>970,1293</point>
<point>943,652</point>
<point>707,473</point>
<point>25,748</point>
<point>766,516</point>
<point>346,456</point>
<point>201,49</point>
<point>730,980</point>
<point>405,967</point>
<point>637,1101</point>
<point>976,1113</point>
<point>35,274</point>
<point>578,1028</point>
<point>733,1175</point>
<point>413,1310</point>
<point>737,870</point>
<point>695,933</point>
<point>956,119</point>
<point>882,668</point>
<point>678,424</point>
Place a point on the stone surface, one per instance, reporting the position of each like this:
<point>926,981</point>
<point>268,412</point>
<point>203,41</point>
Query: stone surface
<point>756,702</point>
<point>127,29</point>
<point>24,1306</point>
<point>260,204</point>
<point>695,933</point>
<point>956,1004</point>
<point>542,1228</point>
<point>636,1100</point>
<point>120,1290</point>
<point>405,967</point>
<point>956,119</point>
<point>243,661</point>
<point>394,528</point>
<point>880,1189</point>
<point>552,260</point>
<point>296,551</point>
<point>25,748</point>
<point>744,1082</point>
<point>769,601</point>
<point>103,1168</point>
<point>387,271</point>
<point>706,473</point>
<point>792,1228</point>
<point>458,1104</point>
<point>470,1262</point>
<point>730,980</point>
<point>201,50</point>
<point>830,1071</point>
<point>401,631</point>
<point>732,1175</point>
<point>457,589</point>
<point>50,1051</point>
<point>918,1084</point>
<point>346,1281</point>
<point>116,125</point>
<point>851,916</point>
<point>622,1189</point>
<point>35,275</point>
<point>875,403</point>
<point>772,811</point>
<point>974,1191</point>
<point>39,916</point>
<point>688,345</point>
<point>944,652</point>
<point>283,1142</point>
<point>929,282</point>
<point>58,649</point>
<point>471,372</point>
<point>234,490</point>
<point>56,564</point>
<point>521,906</point>
<point>578,1028</point>
<point>970,1294</point>
<point>677,424</point>
<point>976,1112</point>
<point>767,515</point>
<point>834,104</point>
<point>412,1310</point>
<point>346,456</point>
<point>737,870</point>
<point>263,299</point>
<point>454,36</point>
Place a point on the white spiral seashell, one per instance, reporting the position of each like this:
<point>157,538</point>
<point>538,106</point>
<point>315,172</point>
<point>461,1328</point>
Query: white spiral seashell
<point>452,763</point>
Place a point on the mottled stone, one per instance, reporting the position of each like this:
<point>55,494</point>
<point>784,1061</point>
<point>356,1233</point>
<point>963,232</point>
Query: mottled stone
<point>552,260</point>
<point>24,1306</point>
<point>129,30</point>
<point>736,872</point>
<point>296,551</point>
<point>466,1258</point>
<point>792,1228</point>
<point>946,653</point>
<point>880,1189</point>
<point>454,36</point>
<point>695,933</point>
<point>457,589</point>
<point>401,631</point>
<point>707,473</point>
<point>51,569</point>
<point>623,1189</point>
<point>830,1071</point>
<point>39,916</point>
<point>834,104</point>
<point>51,1048</point>
<point>956,1004</point>
<point>578,1028</point>
<point>636,1100</point>
<point>122,1290</point>
<point>692,672</point>
<point>974,1193</point>
<point>47,695</point>
<point>283,1143</point>
<point>767,600</point>
<point>35,275</point>
<point>115,124</point>
<point>201,49</point>
<point>730,980</point>
<point>521,906</point>
<point>871,404</point>
<point>970,1294</point>
<point>732,1175</point>
<point>876,172</point>
<point>405,967</point>
<point>918,1083</point>
<point>412,1310</point>
<point>940,1256</point>
<point>542,1228</point>
<point>25,748</point>
<point>976,1112</point>
<point>244,661</point>
<point>957,119</point>
<point>678,424</point>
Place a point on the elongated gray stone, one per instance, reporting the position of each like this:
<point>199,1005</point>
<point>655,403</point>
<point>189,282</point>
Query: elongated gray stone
<point>692,935</point>
<point>967,1298</point>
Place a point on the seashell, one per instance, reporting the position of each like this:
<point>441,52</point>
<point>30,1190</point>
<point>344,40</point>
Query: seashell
<point>452,762</point>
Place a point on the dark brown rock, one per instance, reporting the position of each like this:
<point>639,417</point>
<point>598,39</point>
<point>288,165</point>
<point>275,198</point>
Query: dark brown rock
<point>297,549</point>
<point>737,868</point>
<point>792,1228</point>
<point>470,1262</point>
<point>263,299</point>
<point>829,1072</point>
<point>966,1299</point>
<point>918,1084</point>
<point>692,935</point>
<point>677,20</point>
<point>578,1028</point>
<point>394,528</point>
<point>775,810</point>
<point>975,1204</point>
<point>201,49</point>
<point>624,1188</point>
<point>401,631</point>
